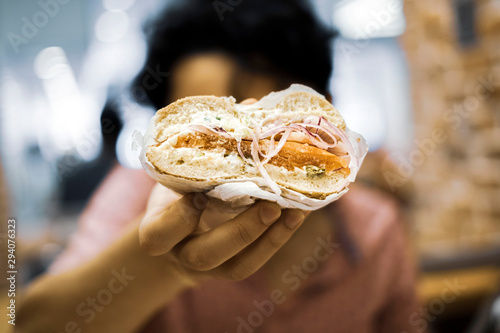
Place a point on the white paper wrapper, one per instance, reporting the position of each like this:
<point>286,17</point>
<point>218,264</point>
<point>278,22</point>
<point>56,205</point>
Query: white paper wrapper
<point>240,193</point>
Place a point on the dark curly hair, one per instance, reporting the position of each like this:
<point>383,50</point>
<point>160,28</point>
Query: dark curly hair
<point>281,37</point>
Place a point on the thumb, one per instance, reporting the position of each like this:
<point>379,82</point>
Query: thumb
<point>161,230</point>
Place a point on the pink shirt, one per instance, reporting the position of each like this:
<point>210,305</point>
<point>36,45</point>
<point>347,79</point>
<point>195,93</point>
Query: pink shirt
<point>364,285</point>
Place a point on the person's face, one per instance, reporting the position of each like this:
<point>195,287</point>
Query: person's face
<point>220,75</point>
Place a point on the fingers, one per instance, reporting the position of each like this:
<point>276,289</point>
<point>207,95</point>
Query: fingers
<point>249,101</point>
<point>161,230</point>
<point>254,256</point>
<point>212,248</point>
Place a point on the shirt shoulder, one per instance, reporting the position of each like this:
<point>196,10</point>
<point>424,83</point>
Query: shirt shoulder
<point>371,219</point>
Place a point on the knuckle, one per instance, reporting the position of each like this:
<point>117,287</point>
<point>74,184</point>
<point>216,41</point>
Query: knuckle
<point>242,235</point>
<point>187,213</point>
<point>275,242</point>
<point>147,241</point>
<point>190,258</point>
<point>196,260</point>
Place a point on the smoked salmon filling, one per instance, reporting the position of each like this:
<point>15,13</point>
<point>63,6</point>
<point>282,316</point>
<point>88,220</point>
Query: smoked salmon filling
<point>292,155</point>
<point>313,144</point>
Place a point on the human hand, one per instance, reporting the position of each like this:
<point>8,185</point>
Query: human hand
<point>233,250</point>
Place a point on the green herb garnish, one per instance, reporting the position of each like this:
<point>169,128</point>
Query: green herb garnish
<point>314,171</point>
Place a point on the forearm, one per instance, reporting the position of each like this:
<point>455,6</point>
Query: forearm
<point>115,292</point>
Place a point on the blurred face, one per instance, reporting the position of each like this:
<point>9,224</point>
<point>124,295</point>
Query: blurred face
<point>219,74</point>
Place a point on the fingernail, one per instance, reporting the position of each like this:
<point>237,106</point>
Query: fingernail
<point>269,213</point>
<point>200,201</point>
<point>294,218</point>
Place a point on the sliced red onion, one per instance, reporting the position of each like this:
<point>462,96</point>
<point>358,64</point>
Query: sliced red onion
<point>274,130</point>
<point>343,137</point>
<point>275,151</point>
<point>238,145</point>
<point>272,142</point>
<point>297,127</point>
<point>317,140</point>
<point>272,184</point>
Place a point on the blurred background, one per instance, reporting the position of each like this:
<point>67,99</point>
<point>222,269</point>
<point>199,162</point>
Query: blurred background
<point>420,79</point>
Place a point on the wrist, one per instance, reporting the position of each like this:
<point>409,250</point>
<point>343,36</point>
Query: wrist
<point>163,273</point>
